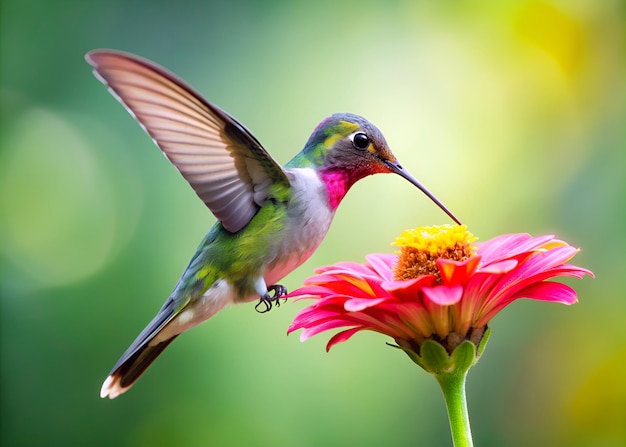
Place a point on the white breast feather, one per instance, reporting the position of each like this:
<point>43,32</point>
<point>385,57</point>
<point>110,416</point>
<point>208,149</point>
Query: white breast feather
<point>308,222</point>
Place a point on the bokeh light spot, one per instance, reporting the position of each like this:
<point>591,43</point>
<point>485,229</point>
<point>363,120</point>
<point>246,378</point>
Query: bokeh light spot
<point>57,212</point>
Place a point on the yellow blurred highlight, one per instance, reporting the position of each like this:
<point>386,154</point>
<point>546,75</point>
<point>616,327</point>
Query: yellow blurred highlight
<point>556,32</point>
<point>599,405</point>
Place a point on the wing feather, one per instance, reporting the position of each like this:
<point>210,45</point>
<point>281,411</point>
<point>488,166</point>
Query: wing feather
<point>222,161</point>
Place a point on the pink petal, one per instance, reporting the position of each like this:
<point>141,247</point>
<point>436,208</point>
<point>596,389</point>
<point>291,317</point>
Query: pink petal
<point>499,267</point>
<point>549,291</point>
<point>482,285</point>
<point>540,266</point>
<point>382,264</point>
<point>543,291</point>
<point>318,279</point>
<point>576,272</point>
<point>344,284</point>
<point>342,336</point>
<point>510,245</point>
<point>457,272</point>
<point>500,246</point>
<point>408,290</point>
<point>360,284</point>
<point>359,304</point>
<point>330,324</point>
<point>444,295</point>
<point>308,292</point>
<point>349,268</point>
<point>310,317</point>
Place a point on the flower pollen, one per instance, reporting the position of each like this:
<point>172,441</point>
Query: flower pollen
<point>421,247</point>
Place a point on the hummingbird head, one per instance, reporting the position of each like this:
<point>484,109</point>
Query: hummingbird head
<point>345,148</point>
<point>347,142</point>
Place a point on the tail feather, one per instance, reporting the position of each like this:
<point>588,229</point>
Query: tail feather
<point>125,375</point>
<point>148,345</point>
<point>177,315</point>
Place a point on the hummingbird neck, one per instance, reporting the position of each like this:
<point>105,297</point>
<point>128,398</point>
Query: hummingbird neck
<point>338,182</point>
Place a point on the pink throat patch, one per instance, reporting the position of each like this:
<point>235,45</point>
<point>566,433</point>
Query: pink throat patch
<point>337,183</point>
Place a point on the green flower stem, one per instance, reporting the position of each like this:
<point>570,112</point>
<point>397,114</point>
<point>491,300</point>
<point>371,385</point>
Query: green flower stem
<point>453,388</point>
<point>450,370</point>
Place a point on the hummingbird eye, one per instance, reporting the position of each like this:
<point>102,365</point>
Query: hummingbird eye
<point>360,141</point>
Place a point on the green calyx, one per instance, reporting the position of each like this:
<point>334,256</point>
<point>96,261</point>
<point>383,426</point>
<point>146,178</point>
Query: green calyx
<point>435,359</point>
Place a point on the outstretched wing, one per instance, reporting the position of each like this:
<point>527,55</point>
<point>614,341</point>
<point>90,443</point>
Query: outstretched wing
<point>222,161</point>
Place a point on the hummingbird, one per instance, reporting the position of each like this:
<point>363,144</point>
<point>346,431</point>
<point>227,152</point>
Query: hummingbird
<point>270,219</point>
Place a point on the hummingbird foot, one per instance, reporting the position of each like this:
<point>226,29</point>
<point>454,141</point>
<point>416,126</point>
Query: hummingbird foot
<point>267,301</point>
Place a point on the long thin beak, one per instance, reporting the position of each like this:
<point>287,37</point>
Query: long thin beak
<point>398,169</point>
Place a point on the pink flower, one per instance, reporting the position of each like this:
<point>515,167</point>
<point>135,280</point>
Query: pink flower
<point>448,292</point>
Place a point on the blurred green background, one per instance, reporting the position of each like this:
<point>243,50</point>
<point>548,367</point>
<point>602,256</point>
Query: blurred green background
<point>512,113</point>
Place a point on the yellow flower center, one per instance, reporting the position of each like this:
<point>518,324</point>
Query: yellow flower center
<point>421,247</point>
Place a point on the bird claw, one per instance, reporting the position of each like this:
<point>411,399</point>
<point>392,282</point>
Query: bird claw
<point>268,300</point>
